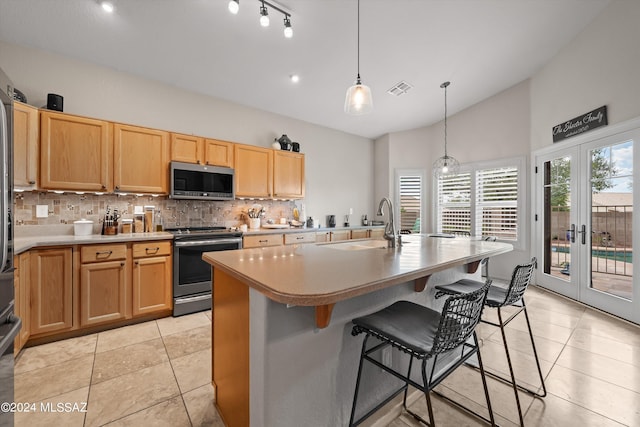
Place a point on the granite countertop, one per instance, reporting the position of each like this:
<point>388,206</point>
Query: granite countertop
<point>320,274</point>
<point>24,243</point>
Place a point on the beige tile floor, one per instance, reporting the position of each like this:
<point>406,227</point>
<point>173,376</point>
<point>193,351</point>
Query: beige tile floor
<point>158,373</point>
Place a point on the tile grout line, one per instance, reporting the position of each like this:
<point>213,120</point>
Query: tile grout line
<point>175,378</point>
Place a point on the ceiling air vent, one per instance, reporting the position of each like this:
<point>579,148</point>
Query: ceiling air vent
<point>399,88</point>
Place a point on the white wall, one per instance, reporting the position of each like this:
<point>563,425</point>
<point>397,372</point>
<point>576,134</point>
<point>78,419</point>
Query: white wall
<point>339,166</point>
<point>497,128</point>
<point>599,67</point>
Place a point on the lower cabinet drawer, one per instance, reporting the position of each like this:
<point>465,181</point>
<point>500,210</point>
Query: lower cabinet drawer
<point>261,241</point>
<point>293,238</point>
<point>99,253</point>
<point>149,249</point>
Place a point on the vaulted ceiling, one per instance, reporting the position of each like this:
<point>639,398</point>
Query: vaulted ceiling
<point>481,46</point>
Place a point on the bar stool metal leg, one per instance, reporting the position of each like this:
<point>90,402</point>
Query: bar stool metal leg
<point>514,384</point>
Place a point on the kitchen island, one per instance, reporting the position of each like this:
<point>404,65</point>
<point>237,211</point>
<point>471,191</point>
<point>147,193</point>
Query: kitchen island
<point>283,354</point>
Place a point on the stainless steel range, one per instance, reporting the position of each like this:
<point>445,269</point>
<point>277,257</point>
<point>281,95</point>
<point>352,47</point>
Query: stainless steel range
<point>191,275</point>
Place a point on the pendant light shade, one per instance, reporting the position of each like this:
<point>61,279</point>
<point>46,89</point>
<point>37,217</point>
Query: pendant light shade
<point>358,100</point>
<point>445,165</point>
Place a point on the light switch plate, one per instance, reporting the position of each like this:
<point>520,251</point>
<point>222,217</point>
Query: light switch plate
<point>42,211</point>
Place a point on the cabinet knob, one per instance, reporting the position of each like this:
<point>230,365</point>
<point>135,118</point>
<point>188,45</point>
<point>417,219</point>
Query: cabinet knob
<point>104,187</point>
<point>198,161</point>
<point>32,182</point>
<point>122,264</point>
<point>117,187</point>
<point>137,262</point>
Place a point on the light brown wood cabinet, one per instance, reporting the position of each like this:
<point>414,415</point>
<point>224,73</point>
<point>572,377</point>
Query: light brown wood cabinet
<point>360,234</point>
<point>22,299</point>
<point>186,148</point>
<point>104,284</point>
<point>75,153</point>
<point>253,171</point>
<point>376,233</point>
<point>340,235</point>
<point>262,241</point>
<point>195,149</point>
<point>288,175</point>
<point>323,236</point>
<point>25,146</point>
<point>141,159</point>
<point>219,153</point>
<point>51,290</point>
<point>152,278</point>
<point>294,238</point>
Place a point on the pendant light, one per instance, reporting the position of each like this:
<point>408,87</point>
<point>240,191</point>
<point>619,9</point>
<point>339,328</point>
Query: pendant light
<point>445,165</point>
<point>358,100</point>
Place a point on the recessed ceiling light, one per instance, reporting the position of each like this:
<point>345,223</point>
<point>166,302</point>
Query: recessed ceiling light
<point>107,6</point>
<point>294,78</point>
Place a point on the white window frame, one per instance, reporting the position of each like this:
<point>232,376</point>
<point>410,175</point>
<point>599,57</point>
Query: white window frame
<point>423,196</point>
<point>520,164</point>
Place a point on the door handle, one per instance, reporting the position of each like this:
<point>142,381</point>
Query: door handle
<point>572,233</point>
<point>583,231</point>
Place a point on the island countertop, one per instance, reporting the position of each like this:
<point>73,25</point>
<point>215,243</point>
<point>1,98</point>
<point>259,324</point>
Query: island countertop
<point>322,274</point>
<point>282,350</point>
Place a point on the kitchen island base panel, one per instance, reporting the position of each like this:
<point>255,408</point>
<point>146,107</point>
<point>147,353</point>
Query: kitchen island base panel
<point>230,339</point>
<point>297,373</point>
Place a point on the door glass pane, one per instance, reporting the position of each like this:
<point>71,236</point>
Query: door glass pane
<point>557,221</point>
<point>611,219</point>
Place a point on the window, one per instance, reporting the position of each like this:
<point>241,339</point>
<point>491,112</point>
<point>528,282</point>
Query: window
<point>410,199</point>
<point>497,202</point>
<point>483,199</point>
<point>454,203</point>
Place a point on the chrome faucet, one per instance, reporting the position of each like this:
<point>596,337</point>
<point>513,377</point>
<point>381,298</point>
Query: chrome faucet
<point>390,234</point>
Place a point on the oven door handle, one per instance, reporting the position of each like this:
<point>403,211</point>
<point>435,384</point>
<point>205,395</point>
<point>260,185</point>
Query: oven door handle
<point>181,243</point>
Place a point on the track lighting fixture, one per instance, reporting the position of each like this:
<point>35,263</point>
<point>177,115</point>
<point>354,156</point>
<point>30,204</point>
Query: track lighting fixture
<point>288,31</point>
<point>234,7</point>
<point>264,16</point>
<point>107,6</point>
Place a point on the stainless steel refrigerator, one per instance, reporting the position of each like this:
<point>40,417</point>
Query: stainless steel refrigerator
<point>9,322</point>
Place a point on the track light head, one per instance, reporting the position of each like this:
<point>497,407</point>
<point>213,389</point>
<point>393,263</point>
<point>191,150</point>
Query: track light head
<point>264,16</point>
<point>288,31</point>
<point>234,6</point>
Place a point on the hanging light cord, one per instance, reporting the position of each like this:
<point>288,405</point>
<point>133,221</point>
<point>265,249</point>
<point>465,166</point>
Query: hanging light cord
<point>444,85</point>
<point>358,79</point>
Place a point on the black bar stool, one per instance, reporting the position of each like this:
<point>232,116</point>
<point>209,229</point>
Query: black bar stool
<point>498,298</point>
<point>424,334</point>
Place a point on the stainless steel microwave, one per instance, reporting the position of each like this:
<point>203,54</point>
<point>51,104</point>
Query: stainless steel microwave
<point>201,182</point>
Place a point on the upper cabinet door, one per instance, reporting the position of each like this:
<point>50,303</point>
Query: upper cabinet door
<point>141,159</point>
<point>186,148</point>
<point>218,153</point>
<point>288,175</point>
<point>253,171</point>
<point>75,153</point>
<point>25,143</point>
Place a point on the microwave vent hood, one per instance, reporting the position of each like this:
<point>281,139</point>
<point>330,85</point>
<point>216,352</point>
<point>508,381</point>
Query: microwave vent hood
<point>201,182</point>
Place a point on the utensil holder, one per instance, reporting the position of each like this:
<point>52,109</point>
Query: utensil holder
<point>254,223</point>
<point>111,230</point>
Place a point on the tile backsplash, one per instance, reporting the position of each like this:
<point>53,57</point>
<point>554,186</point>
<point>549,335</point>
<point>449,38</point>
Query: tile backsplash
<point>65,208</point>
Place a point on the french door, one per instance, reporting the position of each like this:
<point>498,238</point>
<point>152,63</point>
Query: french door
<point>585,228</point>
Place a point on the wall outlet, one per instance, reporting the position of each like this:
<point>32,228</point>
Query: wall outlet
<point>42,211</point>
